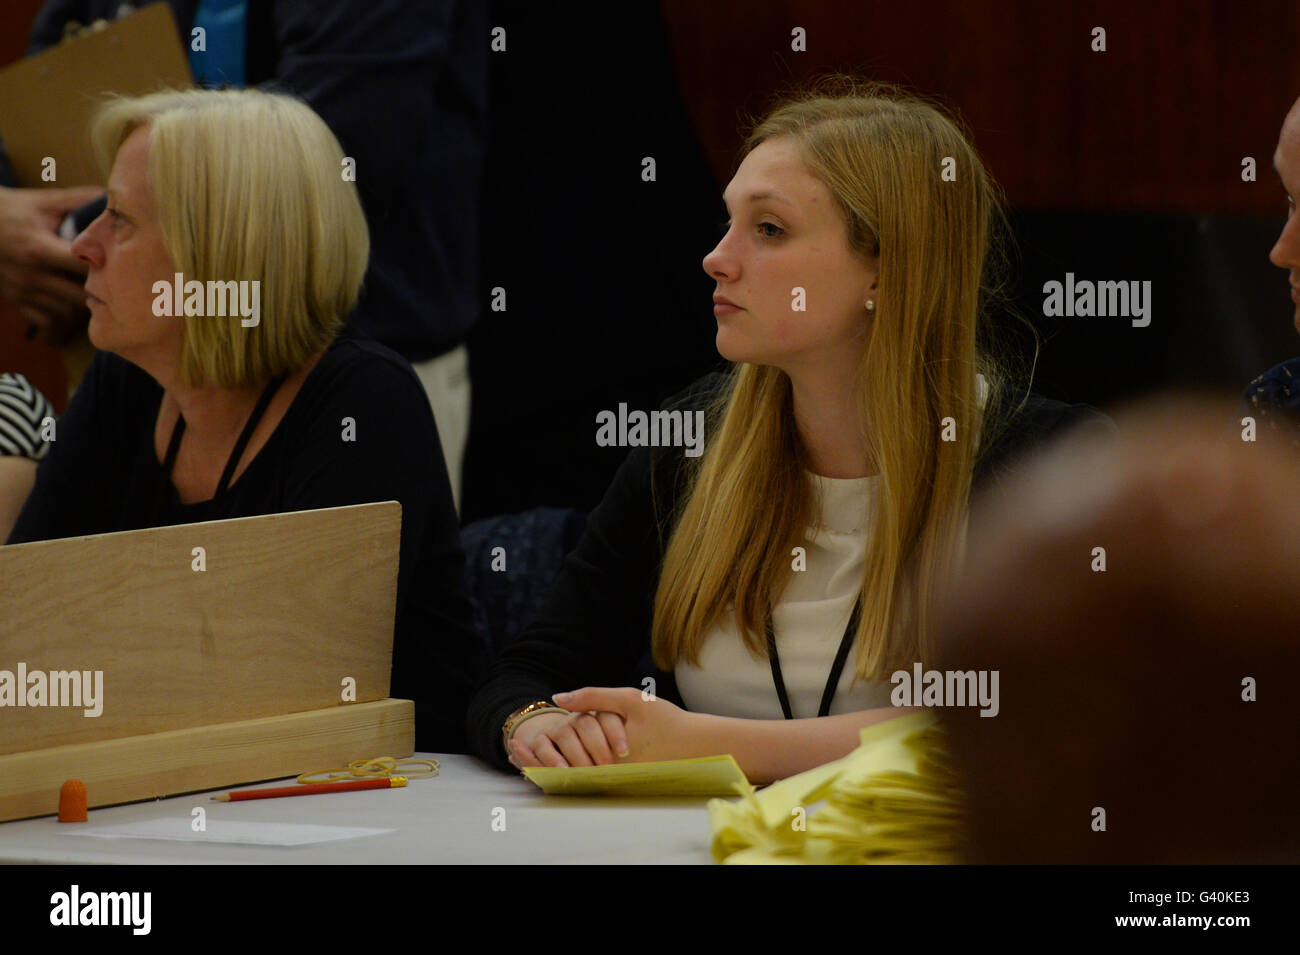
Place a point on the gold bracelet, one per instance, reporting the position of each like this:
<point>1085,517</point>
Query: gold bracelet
<point>518,716</point>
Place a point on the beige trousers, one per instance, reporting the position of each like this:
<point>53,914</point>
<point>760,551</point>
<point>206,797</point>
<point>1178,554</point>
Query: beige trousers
<point>446,382</point>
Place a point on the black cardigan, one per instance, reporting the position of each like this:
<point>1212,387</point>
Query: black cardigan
<point>594,629</point>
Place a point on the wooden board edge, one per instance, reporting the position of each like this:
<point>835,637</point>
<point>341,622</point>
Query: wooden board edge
<point>390,512</point>
<point>157,765</point>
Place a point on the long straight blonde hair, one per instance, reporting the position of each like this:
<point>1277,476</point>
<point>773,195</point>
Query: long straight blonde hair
<point>914,193</point>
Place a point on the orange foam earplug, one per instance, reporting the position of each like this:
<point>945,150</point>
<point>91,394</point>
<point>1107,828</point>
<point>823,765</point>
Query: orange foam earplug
<point>72,801</point>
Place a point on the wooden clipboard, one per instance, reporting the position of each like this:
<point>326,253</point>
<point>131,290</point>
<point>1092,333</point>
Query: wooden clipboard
<point>46,100</point>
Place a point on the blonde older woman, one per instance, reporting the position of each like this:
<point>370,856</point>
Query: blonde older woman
<point>220,274</point>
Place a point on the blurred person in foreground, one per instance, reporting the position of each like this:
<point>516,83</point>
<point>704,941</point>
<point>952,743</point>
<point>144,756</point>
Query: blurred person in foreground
<point>1138,599</point>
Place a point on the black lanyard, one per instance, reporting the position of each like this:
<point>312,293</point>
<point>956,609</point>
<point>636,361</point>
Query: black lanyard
<point>223,485</point>
<point>837,668</point>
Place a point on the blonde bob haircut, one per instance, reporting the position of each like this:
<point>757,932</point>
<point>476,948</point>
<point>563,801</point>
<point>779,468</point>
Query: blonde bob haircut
<point>248,186</point>
<point>882,154</point>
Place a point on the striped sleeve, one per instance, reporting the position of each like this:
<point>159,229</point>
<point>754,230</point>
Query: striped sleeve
<point>23,410</point>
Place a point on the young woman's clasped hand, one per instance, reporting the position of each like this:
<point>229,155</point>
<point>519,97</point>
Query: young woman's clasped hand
<point>607,725</point>
<point>604,725</point>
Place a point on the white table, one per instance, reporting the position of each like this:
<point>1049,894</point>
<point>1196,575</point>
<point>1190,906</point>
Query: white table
<point>445,819</point>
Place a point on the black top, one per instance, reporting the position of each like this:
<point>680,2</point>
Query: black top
<point>102,474</point>
<point>595,628</point>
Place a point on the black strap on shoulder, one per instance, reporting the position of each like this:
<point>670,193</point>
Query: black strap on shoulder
<point>258,410</point>
<point>223,485</point>
<point>169,460</point>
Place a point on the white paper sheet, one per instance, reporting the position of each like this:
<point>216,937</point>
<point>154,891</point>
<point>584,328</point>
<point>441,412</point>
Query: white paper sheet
<point>234,832</point>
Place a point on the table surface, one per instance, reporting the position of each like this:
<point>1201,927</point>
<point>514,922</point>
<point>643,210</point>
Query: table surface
<point>445,819</point>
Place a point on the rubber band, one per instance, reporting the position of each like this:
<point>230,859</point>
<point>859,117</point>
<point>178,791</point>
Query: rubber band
<point>380,767</point>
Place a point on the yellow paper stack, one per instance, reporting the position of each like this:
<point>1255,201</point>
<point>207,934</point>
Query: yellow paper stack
<point>894,799</point>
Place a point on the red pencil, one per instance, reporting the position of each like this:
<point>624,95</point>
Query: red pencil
<point>308,789</point>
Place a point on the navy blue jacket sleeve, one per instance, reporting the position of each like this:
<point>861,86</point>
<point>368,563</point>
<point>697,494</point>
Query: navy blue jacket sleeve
<point>403,87</point>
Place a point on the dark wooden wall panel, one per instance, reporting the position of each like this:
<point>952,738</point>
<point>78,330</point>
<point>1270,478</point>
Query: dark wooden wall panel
<point>1158,123</point>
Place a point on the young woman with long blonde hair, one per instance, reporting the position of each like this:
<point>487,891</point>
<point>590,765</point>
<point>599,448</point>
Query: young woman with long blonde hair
<point>784,573</point>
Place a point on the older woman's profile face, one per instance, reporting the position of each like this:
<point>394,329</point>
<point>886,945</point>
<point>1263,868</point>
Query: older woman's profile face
<point>786,234</point>
<point>125,252</point>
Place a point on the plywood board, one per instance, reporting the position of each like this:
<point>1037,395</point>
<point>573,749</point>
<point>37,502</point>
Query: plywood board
<point>206,757</point>
<point>287,607</point>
